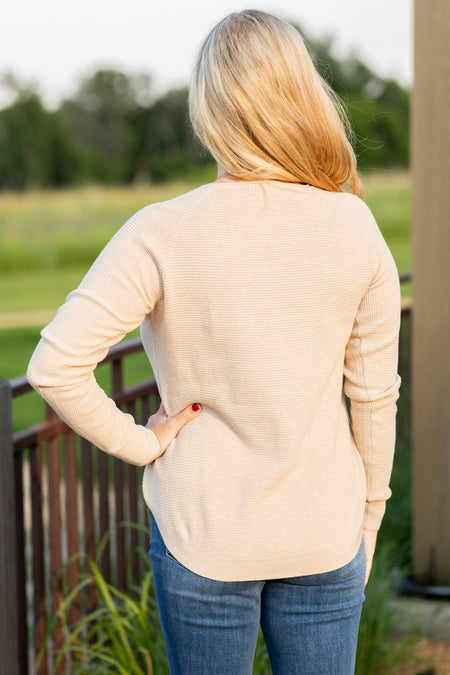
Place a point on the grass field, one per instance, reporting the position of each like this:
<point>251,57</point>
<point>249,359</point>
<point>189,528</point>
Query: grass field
<point>389,196</point>
<point>49,239</point>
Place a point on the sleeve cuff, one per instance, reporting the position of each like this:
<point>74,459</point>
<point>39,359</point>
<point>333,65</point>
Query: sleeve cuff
<point>141,447</point>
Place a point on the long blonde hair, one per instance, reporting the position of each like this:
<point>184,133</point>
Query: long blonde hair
<point>261,108</point>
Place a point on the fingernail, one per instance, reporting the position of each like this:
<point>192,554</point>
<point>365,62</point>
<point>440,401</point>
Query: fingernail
<point>195,407</point>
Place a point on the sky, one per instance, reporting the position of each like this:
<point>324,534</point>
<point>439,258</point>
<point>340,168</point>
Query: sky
<point>55,43</point>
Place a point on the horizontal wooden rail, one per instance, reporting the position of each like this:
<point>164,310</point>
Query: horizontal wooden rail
<point>67,496</point>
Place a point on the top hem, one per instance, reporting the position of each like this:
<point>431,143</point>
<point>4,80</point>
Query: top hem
<point>220,569</point>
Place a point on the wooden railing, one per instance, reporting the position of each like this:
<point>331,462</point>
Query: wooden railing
<point>60,496</point>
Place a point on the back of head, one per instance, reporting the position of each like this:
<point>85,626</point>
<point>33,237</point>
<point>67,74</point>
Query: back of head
<point>258,104</point>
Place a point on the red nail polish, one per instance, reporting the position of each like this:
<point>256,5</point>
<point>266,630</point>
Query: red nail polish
<point>195,407</point>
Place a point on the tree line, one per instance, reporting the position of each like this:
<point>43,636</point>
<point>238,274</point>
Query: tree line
<point>114,130</point>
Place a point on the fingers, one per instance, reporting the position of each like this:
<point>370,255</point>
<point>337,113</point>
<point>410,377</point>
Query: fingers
<point>177,422</point>
<point>167,428</point>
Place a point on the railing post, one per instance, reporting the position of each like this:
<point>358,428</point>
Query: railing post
<point>9,647</point>
<point>431,271</point>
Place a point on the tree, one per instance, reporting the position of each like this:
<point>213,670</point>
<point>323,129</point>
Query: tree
<point>165,141</point>
<point>34,148</point>
<point>378,108</point>
<point>101,117</point>
<point>114,130</point>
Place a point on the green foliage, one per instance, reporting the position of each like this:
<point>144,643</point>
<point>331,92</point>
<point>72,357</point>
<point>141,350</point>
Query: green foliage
<point>381,132</point>
<point>164,143</point>
<point>121,635</point>
<point>34,150</point>
<point>100,116</point>
<point>113,129</point>
<point>377,654</point>
<point>16,347</point>
<point>378,109</point>
<point>396,526</point>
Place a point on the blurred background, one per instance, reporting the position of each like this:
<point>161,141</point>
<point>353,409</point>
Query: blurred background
<point>90,92</point>
<point>94,126</point>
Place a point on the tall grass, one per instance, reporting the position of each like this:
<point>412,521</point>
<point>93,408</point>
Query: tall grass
<point>123,635</point>
<point>377,653</point>
<point>65,228</point>
<point>41,232</point>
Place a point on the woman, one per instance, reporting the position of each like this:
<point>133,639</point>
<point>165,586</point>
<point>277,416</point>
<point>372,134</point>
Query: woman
<point>262,298</point>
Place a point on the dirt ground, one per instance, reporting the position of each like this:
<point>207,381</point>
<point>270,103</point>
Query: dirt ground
<point>426,658</point>
<point>428,621</point>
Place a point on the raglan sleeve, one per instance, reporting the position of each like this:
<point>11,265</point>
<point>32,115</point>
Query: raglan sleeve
<point>119,290</point>
<point>371,381</point>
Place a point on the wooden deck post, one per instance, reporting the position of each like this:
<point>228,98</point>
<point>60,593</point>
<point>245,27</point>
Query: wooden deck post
<point>9,647</point>
<point>431,274</point>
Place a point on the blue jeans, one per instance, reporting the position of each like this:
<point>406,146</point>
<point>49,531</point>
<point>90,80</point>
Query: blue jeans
<point>310,623</point>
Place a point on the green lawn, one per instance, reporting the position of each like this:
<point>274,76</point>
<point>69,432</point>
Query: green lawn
<point>389,196</point>
<point>60,228</point>
<point>16,348</point>
<point>48,240</point>
<point>37,289</point>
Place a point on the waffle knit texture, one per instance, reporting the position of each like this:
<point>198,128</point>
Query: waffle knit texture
<point>264,302</point>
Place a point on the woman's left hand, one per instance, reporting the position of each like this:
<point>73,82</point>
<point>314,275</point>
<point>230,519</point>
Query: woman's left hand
<point>370,540</point>
<point>166,428</point>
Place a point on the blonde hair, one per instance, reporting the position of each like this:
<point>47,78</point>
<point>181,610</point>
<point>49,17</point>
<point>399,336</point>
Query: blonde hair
<point>258,104</point>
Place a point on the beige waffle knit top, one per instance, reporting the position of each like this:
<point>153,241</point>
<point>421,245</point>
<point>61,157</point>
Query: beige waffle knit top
<point>263,302</point>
